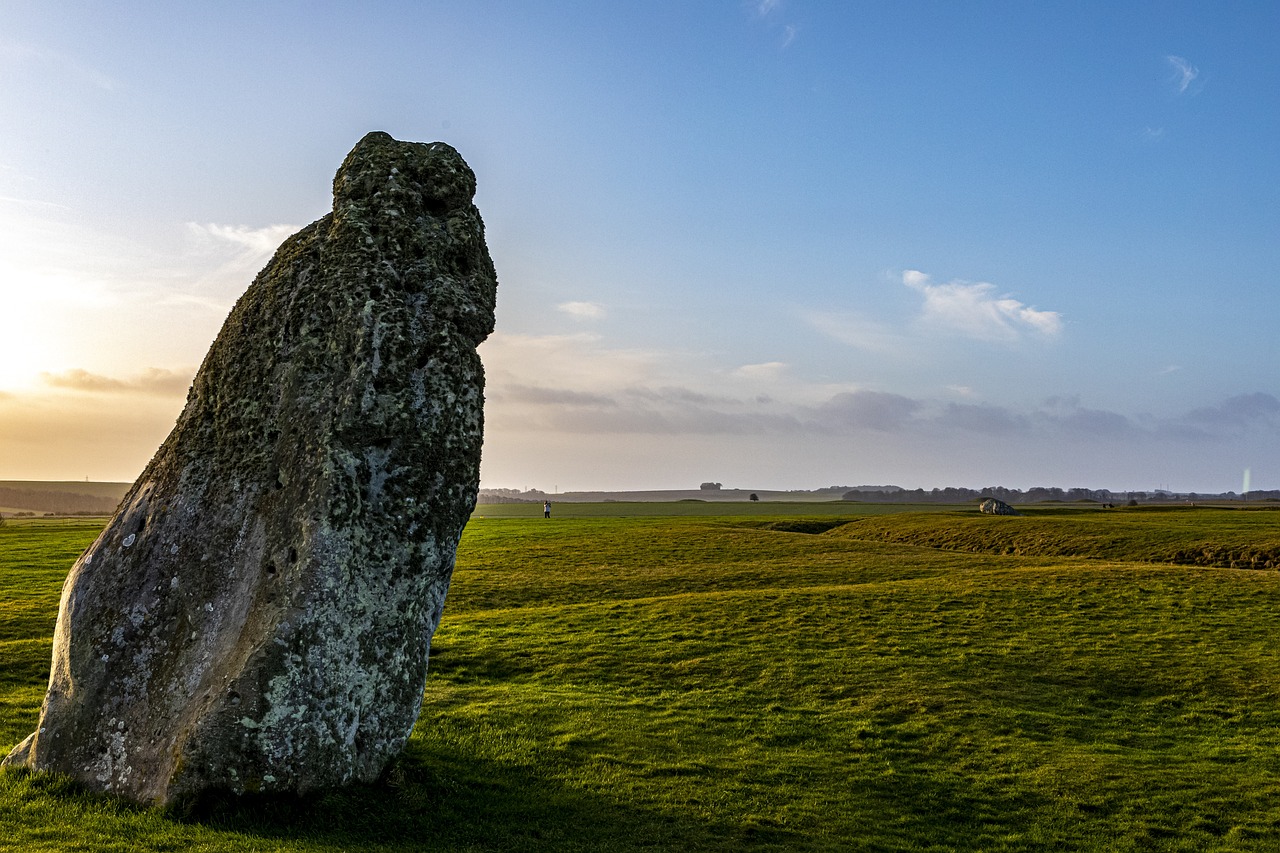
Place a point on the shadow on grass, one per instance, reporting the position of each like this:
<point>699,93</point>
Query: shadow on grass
<point>431,799</point>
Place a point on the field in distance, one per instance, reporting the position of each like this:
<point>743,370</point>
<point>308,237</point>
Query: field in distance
<point>782,681</point>
<point>72,497</point>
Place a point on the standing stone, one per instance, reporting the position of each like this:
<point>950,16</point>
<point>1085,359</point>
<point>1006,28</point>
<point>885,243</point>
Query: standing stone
<point>257,615</point>
<point>995,506</point>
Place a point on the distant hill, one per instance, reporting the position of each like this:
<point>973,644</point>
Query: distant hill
<point>60,498</point>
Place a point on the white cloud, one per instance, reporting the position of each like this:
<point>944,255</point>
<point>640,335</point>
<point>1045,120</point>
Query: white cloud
<point>914,278</point>
<point>582,310</point>
<point>1184,73</point>
<point>975,310</point>
<point>260,242</point>
<point>218,262</point>
<point>764,370</point>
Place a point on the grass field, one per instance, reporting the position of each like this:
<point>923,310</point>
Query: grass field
<point>828,677</point>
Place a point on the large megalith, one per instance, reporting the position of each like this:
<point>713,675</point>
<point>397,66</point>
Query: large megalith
<point>257,615</point>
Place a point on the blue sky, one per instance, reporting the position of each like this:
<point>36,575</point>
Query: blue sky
<point>774,244</point>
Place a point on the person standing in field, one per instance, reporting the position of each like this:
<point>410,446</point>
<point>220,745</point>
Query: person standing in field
<point>546,509</point>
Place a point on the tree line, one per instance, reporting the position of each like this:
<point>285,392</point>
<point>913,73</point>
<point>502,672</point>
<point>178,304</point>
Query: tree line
<point>1036,494</point>
<point>62,503</point>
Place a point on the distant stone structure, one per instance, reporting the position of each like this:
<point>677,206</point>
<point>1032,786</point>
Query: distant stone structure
<point>258,613</point>
<point>995,506</point>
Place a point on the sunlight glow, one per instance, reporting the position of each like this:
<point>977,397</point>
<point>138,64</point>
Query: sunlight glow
<point>24,350</point>
<point>33,323</point>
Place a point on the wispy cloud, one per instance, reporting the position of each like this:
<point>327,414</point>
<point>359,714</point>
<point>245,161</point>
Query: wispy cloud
<point>1184,73</point>
<point>220,260</point>
<point>857,331</point>
<point>1066,414</point>
<point>91,299</point>
<point>261,242</point>
<point>769,12</point>
<point>1240,412</point>
<point>582,310</point>
<point>581,362</point>
<point>764,370</point>
<point>151,381</point>
<point>977,310</point>
<point>33,203</point>
<point>981,418</point>
<point>875,410</point>
<point>577,384</point>
<point>665,410</point>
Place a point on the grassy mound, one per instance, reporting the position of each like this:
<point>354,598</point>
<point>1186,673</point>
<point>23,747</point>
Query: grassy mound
<point>1224,538</point>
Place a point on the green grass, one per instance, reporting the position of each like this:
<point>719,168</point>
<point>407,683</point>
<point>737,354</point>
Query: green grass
<point>1226,538</point>
<point>802,680</point>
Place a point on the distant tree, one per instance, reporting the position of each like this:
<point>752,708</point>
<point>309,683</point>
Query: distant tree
<point>754,497</point>
<point>1045,493</point>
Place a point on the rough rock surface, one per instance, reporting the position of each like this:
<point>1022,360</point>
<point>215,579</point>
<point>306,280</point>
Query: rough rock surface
<point>995,506</point>
<point>257,615</point>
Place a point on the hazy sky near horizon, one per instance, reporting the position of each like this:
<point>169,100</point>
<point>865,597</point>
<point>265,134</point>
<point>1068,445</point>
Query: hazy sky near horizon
<point>775,244</point>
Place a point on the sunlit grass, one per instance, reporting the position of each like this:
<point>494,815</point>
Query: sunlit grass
<point>1226,538</point>
<point>726,683</point>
